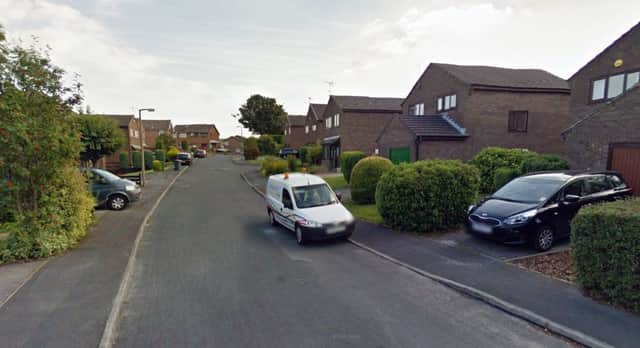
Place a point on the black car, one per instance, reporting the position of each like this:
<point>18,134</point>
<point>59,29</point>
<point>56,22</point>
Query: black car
<point>286,151</point>
<point>537,208</point>
<point>199,153</point>
<point>185,158</point>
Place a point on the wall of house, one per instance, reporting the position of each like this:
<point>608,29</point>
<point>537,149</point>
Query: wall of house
<point>441,149</point>
<point>297,138</point>
<point>313,137</point>
<point>396,134</point>
<point>359,131</point>
<point>214,135</point>
<point>235,146</point>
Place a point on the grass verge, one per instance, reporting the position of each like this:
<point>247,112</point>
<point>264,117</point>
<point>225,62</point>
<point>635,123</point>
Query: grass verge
<point>365,212</point>
<point>336,182</point>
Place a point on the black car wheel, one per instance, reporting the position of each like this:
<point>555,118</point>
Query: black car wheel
<point>117,202</point>
<point>272,219</point>
<point>543,238</point>
<point>300,236</point>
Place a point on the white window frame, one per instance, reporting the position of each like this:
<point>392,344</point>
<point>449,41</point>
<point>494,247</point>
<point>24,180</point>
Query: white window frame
<point>439,104</point>
<point>336,120</point>
<point>306,129</point>
<point>327,123</point>
<point>313,128</point>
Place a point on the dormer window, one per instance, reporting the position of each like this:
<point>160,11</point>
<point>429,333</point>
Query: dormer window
<point>612,86</point>
<point>446,103</point>
<point>417,109</point>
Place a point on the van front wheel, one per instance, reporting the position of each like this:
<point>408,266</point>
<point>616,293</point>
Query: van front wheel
<point>272,219</point>
<point>300,236</point>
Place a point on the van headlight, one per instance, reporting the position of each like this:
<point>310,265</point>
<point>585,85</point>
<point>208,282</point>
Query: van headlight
<point>309,223</point>
<point>521,218</point>
<point>130,188</point>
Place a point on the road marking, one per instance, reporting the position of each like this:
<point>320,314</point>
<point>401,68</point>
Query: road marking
<point>111,326</point>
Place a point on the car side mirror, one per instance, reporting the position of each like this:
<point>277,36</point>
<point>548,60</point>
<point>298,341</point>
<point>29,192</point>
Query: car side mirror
<point>571,199</point>
<point>339,195</point>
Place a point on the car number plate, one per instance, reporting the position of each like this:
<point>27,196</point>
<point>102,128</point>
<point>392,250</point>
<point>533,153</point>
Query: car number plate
<point>482,228</point>
<point>337,229</point>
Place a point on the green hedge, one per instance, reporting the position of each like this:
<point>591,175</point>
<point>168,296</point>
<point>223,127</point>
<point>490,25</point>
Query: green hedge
<point>491,158</point>
<point>251,151</point>
<point>503,175</point>
<point>427,195</point>
<point>137,159</point>
<point>543,162</point>
<point>293,163</point>
<point>157,166</point>
<point>148,159</point>
<point>274,165</point>
<point>161,155</point>
<point>605,240</point>
<point>311,154</point>
<point>124,160</point>
<point>365,176</point>
<point>348,160</point>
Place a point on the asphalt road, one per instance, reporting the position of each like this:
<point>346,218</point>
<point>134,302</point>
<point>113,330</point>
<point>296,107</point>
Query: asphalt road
<point>211,272</point>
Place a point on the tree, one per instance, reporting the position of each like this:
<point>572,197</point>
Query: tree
<point>263,115</point>
<point>100,137</point>
<point>266,145</point>
<point>184,145</point>
<point>164,141</point>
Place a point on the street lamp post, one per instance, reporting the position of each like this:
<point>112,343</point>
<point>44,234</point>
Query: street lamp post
<point>142,178</point>
<point>241,128</point>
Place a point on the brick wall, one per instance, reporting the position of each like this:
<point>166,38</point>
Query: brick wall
<point>396,134</point>
<point>297,138</point>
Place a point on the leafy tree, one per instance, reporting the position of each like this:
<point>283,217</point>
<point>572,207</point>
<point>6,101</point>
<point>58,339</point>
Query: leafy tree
<point>164,141</point>
<point>266,145</point>
<point>263,115</point>
<point>184,145</point>
<point>100,137</point>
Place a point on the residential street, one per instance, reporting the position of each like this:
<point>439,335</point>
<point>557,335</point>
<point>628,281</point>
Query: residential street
<point>210,271</point>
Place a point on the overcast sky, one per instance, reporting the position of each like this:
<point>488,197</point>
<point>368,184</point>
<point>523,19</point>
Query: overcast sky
<point>199,60</point>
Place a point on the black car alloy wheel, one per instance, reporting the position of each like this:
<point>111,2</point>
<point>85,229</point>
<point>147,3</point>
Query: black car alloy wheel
<point>117,202</point>
<point>543,238</point>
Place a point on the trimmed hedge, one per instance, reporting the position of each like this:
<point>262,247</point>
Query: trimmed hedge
<point>543,162</point>
<point>503,175</point>
<point>491,158</point>
<point>124,160</point>
<point>158,166</point>
<point>274,165</point>
<point>137,159</point>
<point>348,160</point>
<point>161,155</point>
<point>251,151</point>
<point>365,176</point>
<point>427,195</point>
<point>148,159</point>
<point>605,240</point>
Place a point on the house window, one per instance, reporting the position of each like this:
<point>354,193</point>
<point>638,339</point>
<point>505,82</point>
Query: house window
<point>597,92</point>
<point>632,79</point>
<point>453,101</point>
<point>613,86</point>
<point>160,132</point>
<point>336,120</point>
<point>306,129</point>
<point>447,102</point>
<point>439,104</point>
<point>182,135</point>
<point>327,123</point>
<point>518,121</point>
<point>417,109</point>
<point>313,127</point>
<point>131,132</point>
<point>616,85</point>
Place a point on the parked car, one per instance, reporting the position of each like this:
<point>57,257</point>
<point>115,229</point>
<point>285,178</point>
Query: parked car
<point>306,205</point>
<point>112,191</point>
<point>537,208</point>
<point>286,151</point>
<point>200,153</point>
<point>185,158</point>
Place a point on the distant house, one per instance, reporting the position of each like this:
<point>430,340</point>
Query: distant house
<point>154,128</point>
<point>314,126</point>
<point>353,123</point>
<point>234,144</point>
<point>294,131</point>
<point>203,136</point>
<point>605,111</point>
<point>454,111</point>
<point>130,127</point>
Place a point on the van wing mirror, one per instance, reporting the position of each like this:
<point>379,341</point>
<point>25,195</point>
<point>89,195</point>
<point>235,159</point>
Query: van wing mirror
<point>571,199</point>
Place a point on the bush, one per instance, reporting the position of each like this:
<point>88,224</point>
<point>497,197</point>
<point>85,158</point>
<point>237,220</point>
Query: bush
<point>503,175</point>
<point>124,160</point>
<point>427,195</point>
<point>266,145</point>
<point>274,165</point>
<point>348,160</point>
<point>158,166</point>
<point>293,163</point>
<point>492,158</point>
<point>605,240</point>
<point>543,162</point>
<point>137,159</point>
<point>311,154</point>
<point>251,151</point>
<point>161,156</point>
<point>184,145</point>
<point>172,153</point>
<point>278,138</point>
<point>148,159</point>
<point>365,176</point>
<point>304,153</point>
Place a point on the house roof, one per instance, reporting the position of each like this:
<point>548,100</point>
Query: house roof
<point>361,103</point>
<point>237,137</point>
<point>122,120</point>
<point>156,125</point>
<point>296,120</point>
<point>437,126</point>
<point>490,76</point>
<point>194,128</point>
<point>317,110</point>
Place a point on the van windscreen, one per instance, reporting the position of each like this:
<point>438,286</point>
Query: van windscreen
<point>313,196</point>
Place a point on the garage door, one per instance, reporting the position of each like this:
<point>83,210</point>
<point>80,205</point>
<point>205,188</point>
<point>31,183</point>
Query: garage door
<point>399,155</point>
<point>625,158</point>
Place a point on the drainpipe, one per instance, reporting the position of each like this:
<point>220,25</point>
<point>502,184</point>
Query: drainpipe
<point>417,141</point>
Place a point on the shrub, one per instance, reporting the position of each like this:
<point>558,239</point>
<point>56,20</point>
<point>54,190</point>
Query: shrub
<point>184,145</point>
<point>251,151</point>
<point>492,158</point>
<point>543,162</point>
<point>503,175</point>
<point>266,145</point>
<point>124,160</point>
<point>274,165</point>
<point>161,156</point>
<point>314,154</point>
<point>304,153</point>
<point>348,160</point>
<point>605,241</point>
<point>172,153</point>
<point>365,176</point>
<point>278,138</point>
<point>158,166</point>
<point>148,159</point>
<point>137,159</point>
<point>427,195</point>
<point>293,163</point>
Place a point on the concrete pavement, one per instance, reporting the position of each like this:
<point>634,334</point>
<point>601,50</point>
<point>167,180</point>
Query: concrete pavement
<point>211,272</point>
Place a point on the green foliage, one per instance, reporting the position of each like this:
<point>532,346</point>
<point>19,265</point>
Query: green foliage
<point>251,151</point>
<point>157,166</point>
<point>278,138</point>
<point>172,153</point>
<point>336,182</point>
<point>100,137</point>
<point>503,175</point>
<point>262,115</point>
<point>348,160</point>
<point>311,154</point>
<point>544,162</point>
<point>184,145</point>
<point>293,163</point>
<point>164,141</point>
<point>124,160</point>
<point>148,159</point>
<point>161,156</point>
<point>427,195</point>
<point>274,165</point>
<point>303,152</point>
<point>266,145</point>
<point>605,242</point>
<point>137,159</point>
<point>365,176</point>
<point>492,158</point>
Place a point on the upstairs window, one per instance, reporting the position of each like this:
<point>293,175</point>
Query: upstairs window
<point>327,123</point>
<point>518,121</point>
<point>336,120</point>
<point>313,128</point>
<point>306,129</point>
<point>612,86</point>
<point>448,102</point>
<point>417,109</point>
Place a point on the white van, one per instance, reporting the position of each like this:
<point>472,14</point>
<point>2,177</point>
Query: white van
<point>305,204</point>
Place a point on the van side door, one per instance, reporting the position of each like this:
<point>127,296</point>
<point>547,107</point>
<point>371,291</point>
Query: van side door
<point>287,211</point>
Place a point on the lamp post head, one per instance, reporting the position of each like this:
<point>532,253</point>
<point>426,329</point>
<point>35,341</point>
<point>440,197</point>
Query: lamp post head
<point>148,109</point>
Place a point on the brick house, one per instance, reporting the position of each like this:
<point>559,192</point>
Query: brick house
<point>294,131</point>
<point>202,136</point>
<point>130,127</point>
<point>154,128</point>
<point>234,144</point>
<point>454,111</point>
<point>314,126</point>
<point>353,123</point>
<point>605,111</point>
